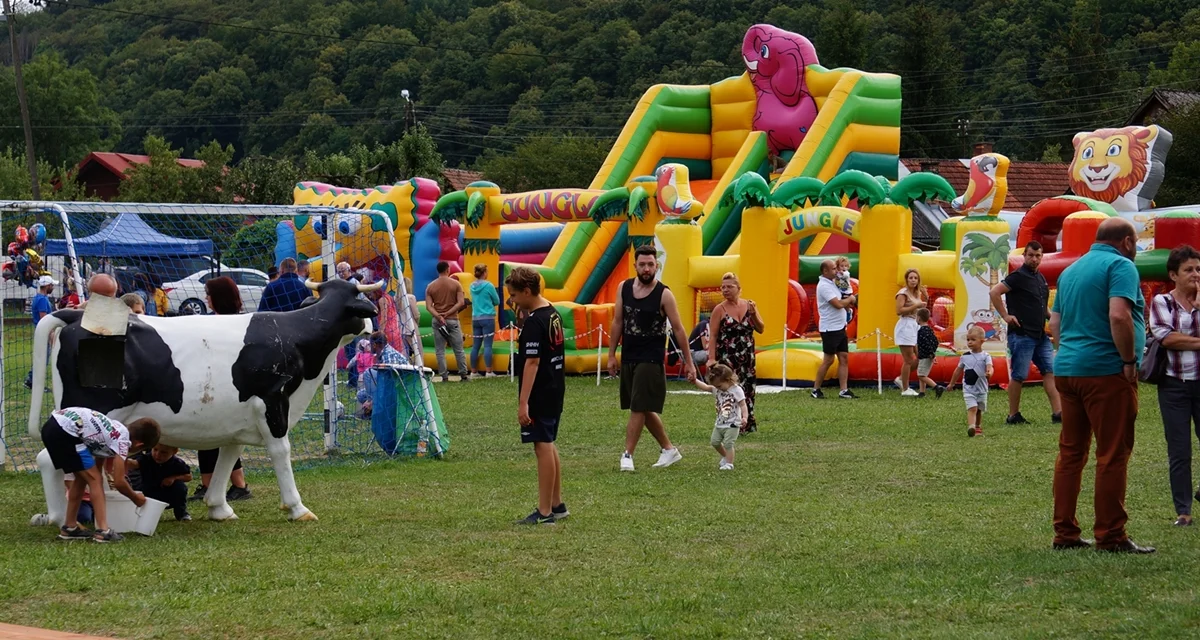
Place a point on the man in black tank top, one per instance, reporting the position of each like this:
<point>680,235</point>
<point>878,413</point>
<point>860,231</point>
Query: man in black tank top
<point>643,308</point>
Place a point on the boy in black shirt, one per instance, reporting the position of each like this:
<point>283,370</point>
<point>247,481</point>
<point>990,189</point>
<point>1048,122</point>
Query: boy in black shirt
<point>164,477</point>
<point>541,384</point>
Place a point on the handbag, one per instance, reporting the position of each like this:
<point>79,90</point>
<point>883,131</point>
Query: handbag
<point>1156,359</point>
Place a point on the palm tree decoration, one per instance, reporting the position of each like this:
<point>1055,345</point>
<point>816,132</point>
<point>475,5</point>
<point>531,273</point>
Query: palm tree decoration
<point>982,256</point>
<point>873,191</point>
<point>449,208</point>
<point>798,193</point>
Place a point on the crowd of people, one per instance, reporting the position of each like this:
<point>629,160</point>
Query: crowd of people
<point>1087,346</point>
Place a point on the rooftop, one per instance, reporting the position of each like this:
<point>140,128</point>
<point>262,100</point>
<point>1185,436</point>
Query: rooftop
<point>1028,182</point>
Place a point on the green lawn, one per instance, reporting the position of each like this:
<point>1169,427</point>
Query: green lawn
<point>865,519</point>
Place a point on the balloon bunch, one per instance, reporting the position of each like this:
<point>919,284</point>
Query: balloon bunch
<point>27,263</point>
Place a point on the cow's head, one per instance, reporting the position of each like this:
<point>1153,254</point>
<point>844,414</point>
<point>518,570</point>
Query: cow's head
<point>340,303</point>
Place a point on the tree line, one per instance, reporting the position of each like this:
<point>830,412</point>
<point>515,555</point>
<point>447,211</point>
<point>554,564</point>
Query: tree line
<point>534,92</point>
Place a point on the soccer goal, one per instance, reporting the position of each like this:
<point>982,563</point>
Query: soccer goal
<point>163,257</point>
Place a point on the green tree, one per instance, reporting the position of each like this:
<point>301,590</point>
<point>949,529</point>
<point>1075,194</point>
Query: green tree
<point>65,107</point>
<point>57,183</point>
<point>544,162</point>
<point>250,246</point>
<point>1180,186</point>
<point>262,180</point>
<point>165,180</point>
<point>934,66</point>
<point>843,36</point>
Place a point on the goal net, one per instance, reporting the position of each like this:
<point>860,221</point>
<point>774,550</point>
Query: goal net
<point>165,257</point>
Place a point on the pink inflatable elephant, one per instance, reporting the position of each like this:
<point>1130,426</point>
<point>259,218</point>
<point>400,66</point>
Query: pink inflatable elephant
<point>776,60</point>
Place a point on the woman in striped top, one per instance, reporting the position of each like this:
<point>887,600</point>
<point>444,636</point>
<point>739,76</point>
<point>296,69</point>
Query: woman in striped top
<point>1175,320</point>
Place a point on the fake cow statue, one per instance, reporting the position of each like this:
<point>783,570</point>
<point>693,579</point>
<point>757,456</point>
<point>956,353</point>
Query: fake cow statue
<point>210,381</point>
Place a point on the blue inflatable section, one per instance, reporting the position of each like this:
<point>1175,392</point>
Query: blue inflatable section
<point>426,251</point>
<point>523,238</point>
<point>285,241</point>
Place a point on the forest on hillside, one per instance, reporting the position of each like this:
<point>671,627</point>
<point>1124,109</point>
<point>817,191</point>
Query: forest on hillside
<point>507,85</point>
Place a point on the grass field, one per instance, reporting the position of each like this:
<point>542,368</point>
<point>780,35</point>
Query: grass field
<point>877,517</point>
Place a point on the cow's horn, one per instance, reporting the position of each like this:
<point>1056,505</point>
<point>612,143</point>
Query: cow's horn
<point>315,286</point>
<point>364,288</point>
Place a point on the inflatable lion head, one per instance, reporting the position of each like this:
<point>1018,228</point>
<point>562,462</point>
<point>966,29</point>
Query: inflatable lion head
<point>1123,167</point>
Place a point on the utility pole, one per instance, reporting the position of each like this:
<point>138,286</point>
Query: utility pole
<point>30,159</point>
<point>964,132</point>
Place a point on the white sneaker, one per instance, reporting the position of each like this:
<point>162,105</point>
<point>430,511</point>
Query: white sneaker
<point>898,383</point>
<point>721,462</point>
<point>668,457</point>
<point>728,466</point>
<point>909,393</point>
<point>626,462</point>
<point>40,520</point>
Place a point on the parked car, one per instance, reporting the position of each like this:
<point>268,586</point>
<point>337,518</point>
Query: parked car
<point>187,295</point>
<point>172,268</point>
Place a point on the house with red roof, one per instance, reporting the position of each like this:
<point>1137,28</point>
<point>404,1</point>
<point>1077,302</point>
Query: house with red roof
<point>101,172</point>
<point>1028,183</point>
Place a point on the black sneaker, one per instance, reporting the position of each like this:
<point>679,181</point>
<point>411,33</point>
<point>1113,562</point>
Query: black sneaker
<point>187,517</point>
<point>238,493</point>
<point>464,377</point>
<point>816,393</point>
<point>78,533</point>
<point>846,394</point>
<point>536,518</point>
<point>1056,418</point>
<point>199,494</point>
<point>939,390</point>
<point>560,512</point>
<point>920,394</point>
<point>107,535</point>
<point>446,378</point>
<point>29,380</point>
<point>1016,418</point>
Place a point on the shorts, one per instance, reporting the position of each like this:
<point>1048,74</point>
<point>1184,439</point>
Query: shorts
<point>834,342</point>
<point>67,452</point>
<point>540,430</point>
<point>976,401</point>
<point>906,332</point>
<point>1023,350</point>
<point>724,436</point>
<point>924,366</point>
<point>643,387</point>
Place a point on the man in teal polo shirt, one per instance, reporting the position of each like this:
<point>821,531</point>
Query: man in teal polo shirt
<point>1098,317</point>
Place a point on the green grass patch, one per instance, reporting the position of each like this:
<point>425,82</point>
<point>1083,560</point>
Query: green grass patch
<point>865,519</point>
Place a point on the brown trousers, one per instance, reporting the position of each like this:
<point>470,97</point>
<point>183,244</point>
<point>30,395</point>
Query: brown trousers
<point>1107,407</point>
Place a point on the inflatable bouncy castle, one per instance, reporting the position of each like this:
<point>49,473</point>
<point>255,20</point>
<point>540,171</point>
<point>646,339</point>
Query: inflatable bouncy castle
<point>786,117</point>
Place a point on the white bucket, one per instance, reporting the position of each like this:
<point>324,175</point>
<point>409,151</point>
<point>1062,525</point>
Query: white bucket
<point>148,516</point>
<point>122,514</point>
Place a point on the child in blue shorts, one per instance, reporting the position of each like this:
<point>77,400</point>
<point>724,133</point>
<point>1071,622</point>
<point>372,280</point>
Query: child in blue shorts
<point>79,441</point>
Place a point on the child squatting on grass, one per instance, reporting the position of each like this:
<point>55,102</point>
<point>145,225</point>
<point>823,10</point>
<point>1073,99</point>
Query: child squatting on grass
<point>732,412</point>
<point>975,367</point>
<point>75,438</point>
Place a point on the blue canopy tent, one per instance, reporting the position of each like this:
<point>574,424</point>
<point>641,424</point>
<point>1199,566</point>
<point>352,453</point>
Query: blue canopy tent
<point>128,236</point>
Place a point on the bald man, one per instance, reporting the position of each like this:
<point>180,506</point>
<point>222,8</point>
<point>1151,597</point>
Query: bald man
<point>100,284</point>
<point>1099,319</point>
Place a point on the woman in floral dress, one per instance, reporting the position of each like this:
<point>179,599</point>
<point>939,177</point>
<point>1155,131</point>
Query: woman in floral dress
<point>731,329</point>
